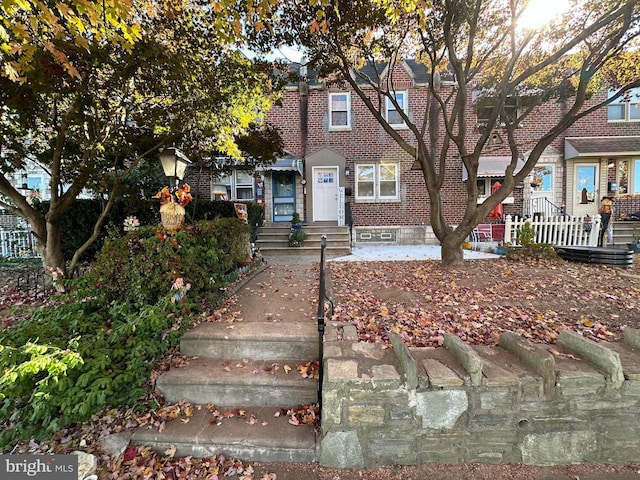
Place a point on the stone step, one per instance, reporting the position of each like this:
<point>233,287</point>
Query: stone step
<point>239,382</point>
<point>258,435</point>
<point>275,341</point>
<point>274,240</point>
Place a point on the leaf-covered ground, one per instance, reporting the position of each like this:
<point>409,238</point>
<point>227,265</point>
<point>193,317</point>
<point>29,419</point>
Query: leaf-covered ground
<point>421,300</point>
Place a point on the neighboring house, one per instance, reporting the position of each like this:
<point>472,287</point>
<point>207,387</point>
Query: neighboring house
<point>342,166</point>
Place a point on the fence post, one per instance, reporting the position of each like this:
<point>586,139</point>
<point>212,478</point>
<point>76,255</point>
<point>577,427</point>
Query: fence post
<point>507,229</point>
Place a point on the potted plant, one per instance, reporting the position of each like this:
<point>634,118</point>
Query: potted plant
<point>297,235</point>
<point>295,221</point>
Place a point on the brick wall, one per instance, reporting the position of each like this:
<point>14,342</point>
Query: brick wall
<point>367,141</point>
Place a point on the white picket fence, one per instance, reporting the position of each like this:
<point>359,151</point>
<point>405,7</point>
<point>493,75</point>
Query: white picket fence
<point>559,230</point>
<point>17,242</point>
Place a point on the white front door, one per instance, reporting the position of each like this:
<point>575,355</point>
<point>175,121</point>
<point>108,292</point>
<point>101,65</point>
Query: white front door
<point>586,188</point>
<point>325,194</point>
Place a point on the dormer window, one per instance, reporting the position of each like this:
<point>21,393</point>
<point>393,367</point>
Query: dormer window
<point>486,106</point>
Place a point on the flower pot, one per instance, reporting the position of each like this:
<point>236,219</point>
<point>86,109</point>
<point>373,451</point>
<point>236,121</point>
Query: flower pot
<point>172,215</point>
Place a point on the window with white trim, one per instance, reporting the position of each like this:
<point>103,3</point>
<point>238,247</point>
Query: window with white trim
<point>339,111</point>
<point>625,108</point>
<point>628,176</point>
<point>377,181</point>
<point>485,185</point>
<point>239,185</point>
<point>393,116</point>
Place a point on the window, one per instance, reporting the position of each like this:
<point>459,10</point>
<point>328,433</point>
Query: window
<point>393,116</point>
<point>339,111</point>
<point>377,181</point>
<point>485,107</point>
<point>625,108</point>
<point>485,186</point>
<point>542,178</point>
<point>239,185</point>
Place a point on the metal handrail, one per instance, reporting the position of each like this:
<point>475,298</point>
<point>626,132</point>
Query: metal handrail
<point>321,319</point>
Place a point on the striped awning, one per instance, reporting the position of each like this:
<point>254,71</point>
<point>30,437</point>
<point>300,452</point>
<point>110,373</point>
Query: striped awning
<point>489,167</point>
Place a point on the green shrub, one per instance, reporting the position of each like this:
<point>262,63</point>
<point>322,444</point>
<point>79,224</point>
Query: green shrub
<point>96,354</point>
<point>98,345</point>
<point>526,246</point>
<point>78,221</point>
<point>140,267</point>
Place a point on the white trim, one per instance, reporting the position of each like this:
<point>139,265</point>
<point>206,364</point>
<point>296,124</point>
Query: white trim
<point>338,128</point>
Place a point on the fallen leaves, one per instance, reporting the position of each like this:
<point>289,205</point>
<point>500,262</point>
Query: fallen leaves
<point>421,301</point>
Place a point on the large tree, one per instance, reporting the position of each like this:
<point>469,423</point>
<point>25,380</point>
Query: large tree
<point>481,46</point>
<point>181,83</point>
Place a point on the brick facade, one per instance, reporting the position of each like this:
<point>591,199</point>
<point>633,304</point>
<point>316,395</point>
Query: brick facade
<point>366,140</point>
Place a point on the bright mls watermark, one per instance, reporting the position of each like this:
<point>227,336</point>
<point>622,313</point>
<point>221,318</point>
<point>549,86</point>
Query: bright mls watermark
<point>50,467</point>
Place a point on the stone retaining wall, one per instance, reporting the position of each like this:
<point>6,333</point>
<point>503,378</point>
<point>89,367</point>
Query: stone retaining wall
<point>577,401</point>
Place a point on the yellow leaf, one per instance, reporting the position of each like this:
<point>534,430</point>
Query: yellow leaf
<point>287,369</point>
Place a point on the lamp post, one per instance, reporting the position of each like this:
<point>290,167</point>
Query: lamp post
<point>174,199</point>
<point>174,164</point>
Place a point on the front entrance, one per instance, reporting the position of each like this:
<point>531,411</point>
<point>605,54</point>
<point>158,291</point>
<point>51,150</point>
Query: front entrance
<point>585,194</point>
<point>284,196</point>
<point>325,194</point>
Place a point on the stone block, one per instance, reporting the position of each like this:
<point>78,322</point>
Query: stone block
<point>558,448</point>
<point>331,351</point>
<point>442,448</point>
<point>492,419</point>
<point>533,356</point>
<point>495,376</point>
<point>341,449</point>
<point>385,376</point>
<point>441,376</point>
<point>341,370</point>
<point>496,399</point>
<point>441,409</point>
<point>406,360</point>
<point>350,333</point>
<point>632,337</point>
<point>366,414</point>
<point>470,360</point>
<point>331,407</point>
<point>368,350</point>
<point>391,449</point>
<point>595,353</point>
<point>631,388</point>
<point>581,385</point>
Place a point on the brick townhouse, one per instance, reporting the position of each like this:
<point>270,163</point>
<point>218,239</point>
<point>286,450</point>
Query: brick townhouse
<point>342,166</point>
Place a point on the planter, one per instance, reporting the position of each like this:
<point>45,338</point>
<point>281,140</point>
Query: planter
<point>172,215</point>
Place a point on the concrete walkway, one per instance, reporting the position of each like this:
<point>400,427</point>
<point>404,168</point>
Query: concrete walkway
<point>404,252</point>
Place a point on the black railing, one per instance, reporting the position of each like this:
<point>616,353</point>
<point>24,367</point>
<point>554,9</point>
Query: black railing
<point>348,217</point>
<point>322,297</point>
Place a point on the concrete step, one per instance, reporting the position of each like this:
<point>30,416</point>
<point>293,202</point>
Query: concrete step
<point>274,240</point>
<point>240,382</point>
<point>275,341</point>
<point>258,435</point>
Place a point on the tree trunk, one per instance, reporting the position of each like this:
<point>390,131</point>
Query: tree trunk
<point>451,251</point>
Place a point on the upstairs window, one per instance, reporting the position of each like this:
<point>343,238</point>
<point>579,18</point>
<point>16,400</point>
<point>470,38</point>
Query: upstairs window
<point>393,116</point>
<point>377,181</point>
<point>625,108</point>
<point>339,111</point>
<point>486,106</point>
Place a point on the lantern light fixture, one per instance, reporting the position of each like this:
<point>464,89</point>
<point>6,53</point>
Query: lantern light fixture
<point>174,163</point>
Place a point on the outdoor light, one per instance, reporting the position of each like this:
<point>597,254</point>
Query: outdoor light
<point>25,183</point>
<point>174,163</point>
<point>347,171</point>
